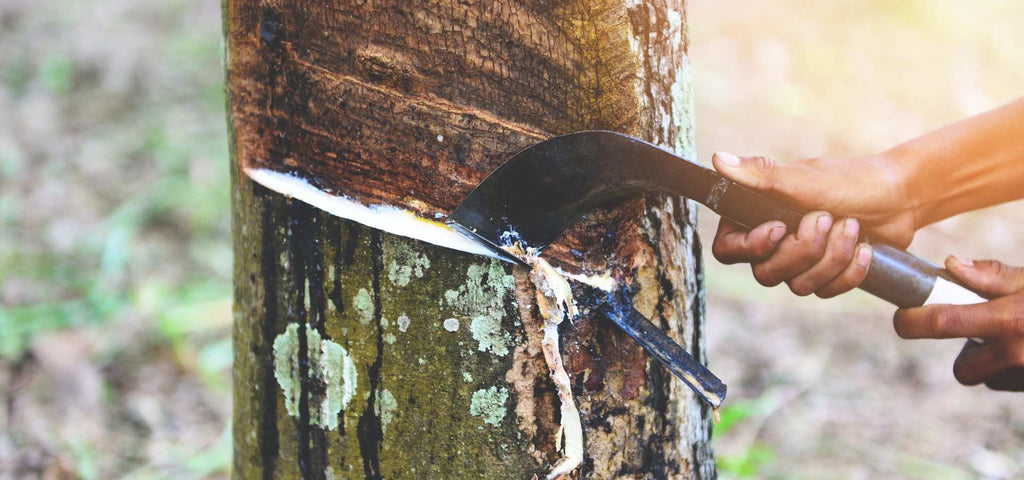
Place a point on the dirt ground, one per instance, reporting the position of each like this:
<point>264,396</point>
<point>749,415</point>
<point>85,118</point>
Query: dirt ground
<point>115,254</point>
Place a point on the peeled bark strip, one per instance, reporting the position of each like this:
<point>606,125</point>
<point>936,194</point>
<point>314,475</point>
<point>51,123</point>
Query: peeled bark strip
<point>363,354</point>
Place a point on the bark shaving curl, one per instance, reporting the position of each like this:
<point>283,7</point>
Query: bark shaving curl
<point>554,300</point>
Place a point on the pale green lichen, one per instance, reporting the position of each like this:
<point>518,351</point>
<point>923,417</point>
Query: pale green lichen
<point>390,338</point>
<point>487,331</point>
<point>404,263</point>
<point>467,377</point>
<point>305,295</point>
<point>333,278</point>
<point>338,371</point>
<point>385,408</point>
<point>451,324</point>
<point>489,404</point>
<point>286,354</point>
<point>483,299</point>
<point>328,363</point>
<point>682,110</point>
<point>403,322</point>
<point>363,303</point>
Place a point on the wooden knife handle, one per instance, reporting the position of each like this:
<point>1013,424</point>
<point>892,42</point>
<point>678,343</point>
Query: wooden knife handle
<point>894,275</point>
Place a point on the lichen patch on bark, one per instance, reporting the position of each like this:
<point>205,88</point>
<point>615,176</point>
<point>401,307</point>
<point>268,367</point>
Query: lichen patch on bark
<point>482,299</point>
<point>363,303</point>
<point>683,106</point>
<point>404,263</point>
<point>489,404</point>
<point>386,407</point>
<point>328,364</point>
<point>451,324</point>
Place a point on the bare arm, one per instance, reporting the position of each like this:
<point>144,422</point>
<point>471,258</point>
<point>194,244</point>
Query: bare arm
<point>974,163</point>
<point>971,164</point>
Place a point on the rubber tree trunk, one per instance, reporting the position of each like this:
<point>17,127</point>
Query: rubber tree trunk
<point>364,354</point>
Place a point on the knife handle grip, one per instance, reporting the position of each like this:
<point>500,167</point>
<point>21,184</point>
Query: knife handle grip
<point>895,275</point>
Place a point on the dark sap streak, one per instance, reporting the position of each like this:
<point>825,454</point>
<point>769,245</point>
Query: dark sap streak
<point>318,320</point>
<point>303,256</point>
<point>269,447</point>
<point>297,314</point>
<point>369,430</point>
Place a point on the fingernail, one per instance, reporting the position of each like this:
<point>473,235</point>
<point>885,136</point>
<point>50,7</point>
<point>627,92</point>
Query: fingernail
<point>851,228</point>
<point>776,233</point>
<point>824,223</point>
<point>955,262</point>
<point>863,255</point>
<point>728,159</point>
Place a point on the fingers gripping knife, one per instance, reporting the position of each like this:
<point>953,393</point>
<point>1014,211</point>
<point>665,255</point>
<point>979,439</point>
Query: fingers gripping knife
<point>543,190</point>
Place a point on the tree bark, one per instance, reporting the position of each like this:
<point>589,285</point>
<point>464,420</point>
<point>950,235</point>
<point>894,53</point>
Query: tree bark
<point>364,354</point>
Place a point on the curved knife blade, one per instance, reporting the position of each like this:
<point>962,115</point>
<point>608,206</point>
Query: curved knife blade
<point>543,190</point>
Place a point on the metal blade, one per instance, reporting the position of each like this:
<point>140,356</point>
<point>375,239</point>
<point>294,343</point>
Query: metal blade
<point>657,343</point>
<point>543,190</point>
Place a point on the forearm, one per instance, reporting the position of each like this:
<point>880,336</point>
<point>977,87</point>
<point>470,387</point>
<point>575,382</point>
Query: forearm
<point>971,164</point>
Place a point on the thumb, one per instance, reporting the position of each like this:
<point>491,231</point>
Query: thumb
<point>991,278</point>
<point>759,173</point>
<point>763,173</point>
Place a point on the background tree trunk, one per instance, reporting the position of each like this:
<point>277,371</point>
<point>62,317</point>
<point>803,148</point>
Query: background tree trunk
<point>360,353</point>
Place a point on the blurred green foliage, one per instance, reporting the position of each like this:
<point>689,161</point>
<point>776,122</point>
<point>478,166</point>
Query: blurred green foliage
<point>57,73</point>
<point>114,205</point>
<point>146,185</point>
<point>746,463</point>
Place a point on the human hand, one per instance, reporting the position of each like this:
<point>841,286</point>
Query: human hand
<point>999,362</point>
<point>822,256</point>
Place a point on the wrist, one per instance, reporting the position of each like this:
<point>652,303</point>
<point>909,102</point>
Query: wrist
<point>899,171</point>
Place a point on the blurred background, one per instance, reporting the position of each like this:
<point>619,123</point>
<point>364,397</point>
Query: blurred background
<point>115,254</point>
<point>115,250</point>
<point>825,389</point>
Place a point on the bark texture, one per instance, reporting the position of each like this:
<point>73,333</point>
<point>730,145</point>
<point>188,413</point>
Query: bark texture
<point>360,354</point>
